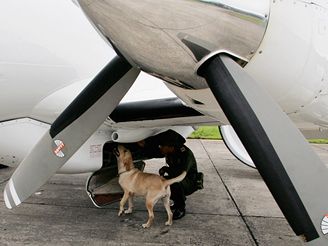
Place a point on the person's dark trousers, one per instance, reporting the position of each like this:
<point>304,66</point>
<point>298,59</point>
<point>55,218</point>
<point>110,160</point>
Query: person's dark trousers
<point>178,196</point>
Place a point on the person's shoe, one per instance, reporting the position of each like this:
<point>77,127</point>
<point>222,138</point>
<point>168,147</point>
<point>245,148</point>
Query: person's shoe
<point>179,213</point>
<point>172,205</point>
<point>3,166</point>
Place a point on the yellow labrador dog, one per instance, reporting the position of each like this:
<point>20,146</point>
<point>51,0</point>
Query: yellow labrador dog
<point>134,182</point>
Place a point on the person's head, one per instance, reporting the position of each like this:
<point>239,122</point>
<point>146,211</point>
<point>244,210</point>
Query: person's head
<point>169,141</point>
<point>166,149</point>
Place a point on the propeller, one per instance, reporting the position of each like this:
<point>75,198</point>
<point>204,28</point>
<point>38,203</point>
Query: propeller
<point>282,156</point>
<point>71,129</point>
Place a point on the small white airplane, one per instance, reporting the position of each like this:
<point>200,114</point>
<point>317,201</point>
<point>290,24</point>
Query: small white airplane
<point>255,64</point>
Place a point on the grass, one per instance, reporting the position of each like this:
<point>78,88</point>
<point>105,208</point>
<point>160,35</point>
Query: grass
<point>206,132</point>
<point>212,132</point>
<point>318,141</point>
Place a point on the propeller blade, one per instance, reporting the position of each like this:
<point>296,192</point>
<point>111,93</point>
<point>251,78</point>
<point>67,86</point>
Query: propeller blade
<point>288,165</point>
<point>71,129</point>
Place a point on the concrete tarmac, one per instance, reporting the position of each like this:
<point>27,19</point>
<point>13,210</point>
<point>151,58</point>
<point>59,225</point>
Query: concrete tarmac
<point>234,208</point>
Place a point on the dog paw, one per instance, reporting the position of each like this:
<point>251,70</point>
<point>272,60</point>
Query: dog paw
<point>120,212</point>
<point>128,211</point>
<point>145,225</point>
<point>168,223</point>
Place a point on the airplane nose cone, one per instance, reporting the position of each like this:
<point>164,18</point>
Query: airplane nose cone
<point>169,39</point>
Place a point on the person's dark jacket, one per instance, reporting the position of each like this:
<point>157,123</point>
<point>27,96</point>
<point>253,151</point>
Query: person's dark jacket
<point>183,160</point>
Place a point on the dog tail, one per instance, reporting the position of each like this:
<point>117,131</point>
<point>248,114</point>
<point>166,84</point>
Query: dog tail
<point>176,179</point>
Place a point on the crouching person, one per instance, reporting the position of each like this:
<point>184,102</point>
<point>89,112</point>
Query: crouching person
<point>179,158</point>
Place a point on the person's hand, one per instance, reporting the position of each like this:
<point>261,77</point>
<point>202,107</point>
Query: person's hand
<point>163,170</point>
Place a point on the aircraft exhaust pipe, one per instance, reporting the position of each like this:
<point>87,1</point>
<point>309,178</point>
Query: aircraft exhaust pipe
<point>115,136</point>
<point>133,135</point>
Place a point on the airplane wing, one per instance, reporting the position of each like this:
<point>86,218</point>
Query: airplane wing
<point>157,113</point>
